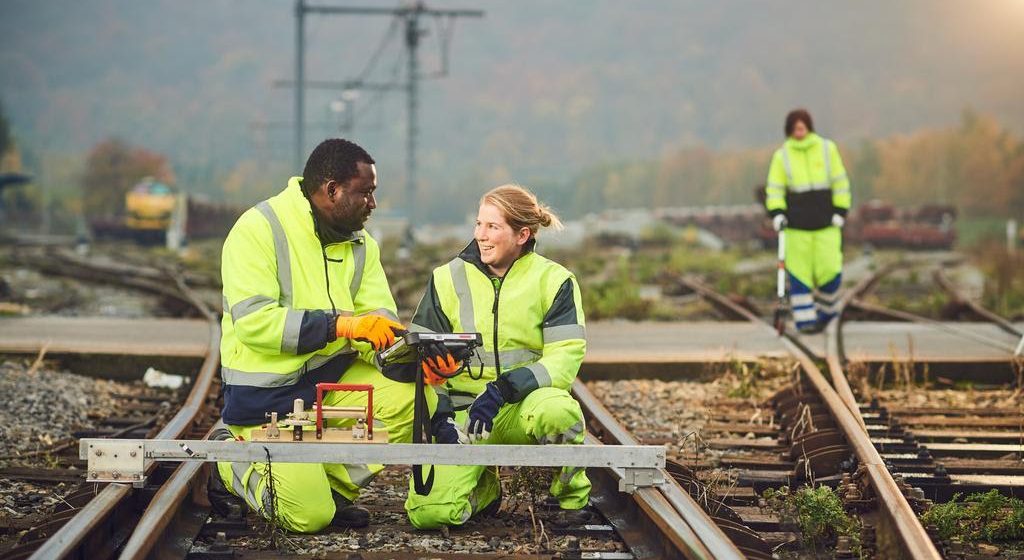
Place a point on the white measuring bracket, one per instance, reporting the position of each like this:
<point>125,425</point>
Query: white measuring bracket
<point>126,460</point>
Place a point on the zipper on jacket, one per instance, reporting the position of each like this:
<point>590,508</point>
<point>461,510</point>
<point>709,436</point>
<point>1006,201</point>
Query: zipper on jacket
<point>496,282</point>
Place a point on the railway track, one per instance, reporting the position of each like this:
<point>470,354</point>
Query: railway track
<point>816,433</point>
<point>96,522</point>
<point>165,518</point>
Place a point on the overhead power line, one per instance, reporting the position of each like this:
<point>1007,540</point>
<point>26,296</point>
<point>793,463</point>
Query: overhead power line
<point>409,15</point>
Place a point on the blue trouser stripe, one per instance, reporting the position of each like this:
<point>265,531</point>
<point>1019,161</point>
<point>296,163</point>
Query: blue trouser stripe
<point>802,301</point>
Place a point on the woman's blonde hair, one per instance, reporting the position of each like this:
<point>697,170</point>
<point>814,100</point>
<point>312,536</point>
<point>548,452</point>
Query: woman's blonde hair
<point>521,208</point>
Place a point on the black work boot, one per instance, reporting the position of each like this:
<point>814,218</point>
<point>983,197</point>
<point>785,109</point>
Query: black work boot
<point>812,329</point>
<point>347,514</point>
<point>224,503</point>
<point>573,517</point>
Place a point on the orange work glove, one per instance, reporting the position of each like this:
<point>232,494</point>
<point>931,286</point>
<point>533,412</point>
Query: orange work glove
<point>437,370</point>
<point>378,331</point>
<point>438,364</point>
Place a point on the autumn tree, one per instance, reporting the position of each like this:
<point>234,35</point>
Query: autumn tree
<point>112,168</point>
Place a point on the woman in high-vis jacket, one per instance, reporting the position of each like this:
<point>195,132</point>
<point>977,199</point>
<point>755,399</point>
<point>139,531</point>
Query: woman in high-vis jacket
<point>529,312</point>
<point>808,195</point>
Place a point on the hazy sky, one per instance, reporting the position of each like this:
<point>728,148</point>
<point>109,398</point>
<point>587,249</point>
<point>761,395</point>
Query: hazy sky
<point>536,89</point>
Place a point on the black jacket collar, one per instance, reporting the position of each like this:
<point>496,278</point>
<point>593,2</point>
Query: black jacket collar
<point>471,254</point>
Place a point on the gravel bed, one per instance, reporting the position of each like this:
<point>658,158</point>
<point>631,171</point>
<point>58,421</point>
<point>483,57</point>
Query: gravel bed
<point>511,531</point>
<point>21,500</point>
<point>951,398</point>
<point>43,409</point>
<point>47,406</point>
<point>677,411</point>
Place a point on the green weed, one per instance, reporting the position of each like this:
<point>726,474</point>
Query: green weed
<point>988,516</point>
<point>817,512</point>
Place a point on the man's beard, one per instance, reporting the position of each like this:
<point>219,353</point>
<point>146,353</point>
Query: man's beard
<point>341,228</point>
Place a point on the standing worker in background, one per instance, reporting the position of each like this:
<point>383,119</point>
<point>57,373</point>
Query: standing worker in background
<point>305,302</point>
<point>808,195</point>
<point>529,311</point>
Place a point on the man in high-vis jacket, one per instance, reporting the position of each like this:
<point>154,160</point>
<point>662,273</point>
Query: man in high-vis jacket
<point>305,302</point>
<point>808,195</point>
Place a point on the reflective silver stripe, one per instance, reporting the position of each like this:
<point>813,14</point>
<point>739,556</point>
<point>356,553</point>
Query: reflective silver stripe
<point>284,267</point>
<point>843,190</point>
<point>292,326</point>
<point>568,436</point>
<point>564,332</point>
<point>840,177</point>
<point>828,162</point>
<point>540,373</point>
<point>785,163</point>
<point>828,308</point>
<point>441,390</point>
<point>568,473</point>
<point>224,304</point>
<point>802,315</point>
<point>510,357</point>
<point>383,313</point>
<point>259,379</point>
<point>248,305</point>
<point>776,197</point>
<point>359,262</point>
<point>238,471</point>
<point>827,297</point>
<point>250,488</point>
<point>360,475</point>
<point>269,379</point>
<point>461,284</point>
<point>810,187</point>
<point>775,186</point>
<point>801,299</point>
<point>574,431</point>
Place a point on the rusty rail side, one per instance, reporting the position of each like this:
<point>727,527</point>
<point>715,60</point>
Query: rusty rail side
<point>906,529</point>
<point>946,284</point>
<point>699,536</point>
<point>68,540</point>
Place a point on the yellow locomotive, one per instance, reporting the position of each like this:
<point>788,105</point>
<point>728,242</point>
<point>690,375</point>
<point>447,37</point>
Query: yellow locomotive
<point>149,206</point>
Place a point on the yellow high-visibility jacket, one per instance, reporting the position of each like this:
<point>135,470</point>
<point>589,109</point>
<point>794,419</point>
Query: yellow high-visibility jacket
<point>531,321</point>
<point>283,291</point>
<point>807,182</point>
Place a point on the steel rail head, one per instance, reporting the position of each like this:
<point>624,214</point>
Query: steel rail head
<point>64,542</point>
<point>908,529</point>
<point>912,535</point>
<point>97,511</point>
<point>162,509</point>
<point>703,538</point>
<point>946,284</point>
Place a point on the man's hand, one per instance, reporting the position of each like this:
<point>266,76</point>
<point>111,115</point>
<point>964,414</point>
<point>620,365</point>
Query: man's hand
<point>378,331</point>
<point>838,221</point>
<point>779,222</point>
<point>447,431</point>
<point>438,364</point>
<point>482,413</point>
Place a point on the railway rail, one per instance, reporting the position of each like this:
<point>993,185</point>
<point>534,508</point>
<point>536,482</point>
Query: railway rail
<point>99,521</point>
<point>164,520</point>
<point>821,433</point>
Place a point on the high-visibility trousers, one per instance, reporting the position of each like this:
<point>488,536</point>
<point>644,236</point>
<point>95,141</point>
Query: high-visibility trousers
<point>301,497</point>
<point>814,261</point>
<point>547,415</point>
